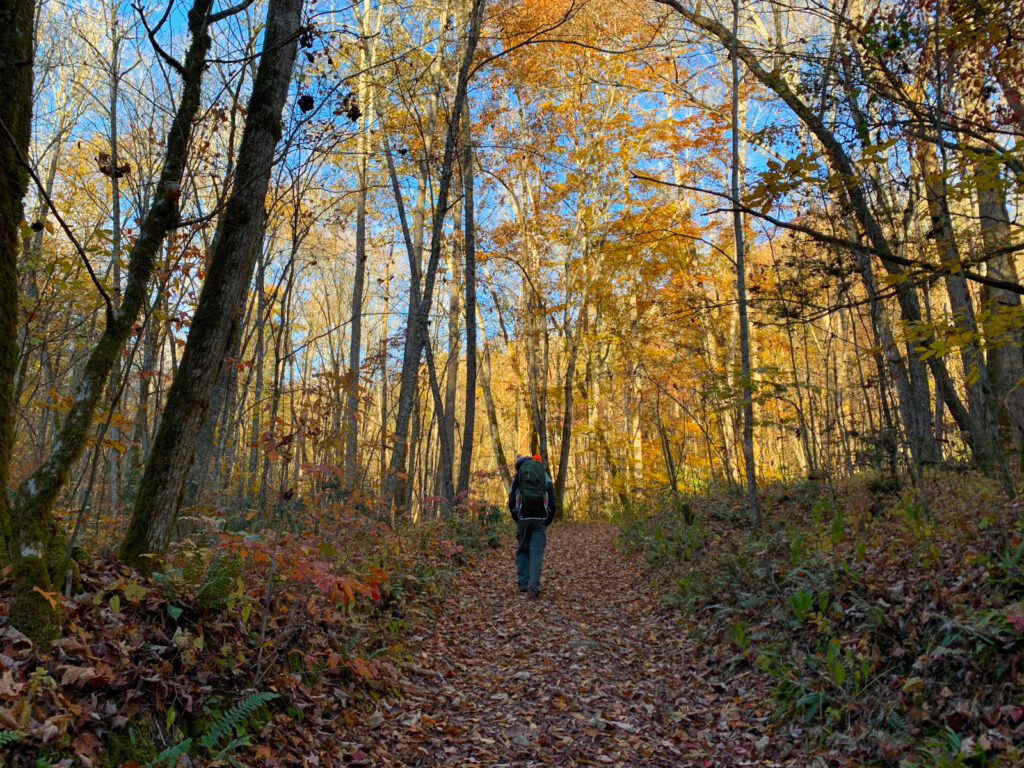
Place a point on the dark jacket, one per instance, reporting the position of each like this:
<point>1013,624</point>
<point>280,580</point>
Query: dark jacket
<point>525,511</point>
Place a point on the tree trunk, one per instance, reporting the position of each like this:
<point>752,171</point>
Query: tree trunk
<point>981,425</point>
<point>741,286</point>
<point>211,434</point>
<point>445,487</point>
<point>1006,347</point>
<point>223,293</point>
<point>365,92</point>
<point>140,436</point>
<point>1005,357</point>
<point>666,448</point>
<point>469,278</point>
<point>32,613</point>
<point>259,354</point>
<point>384,377</point>
<point>492,413</point>
<point>446,416</point>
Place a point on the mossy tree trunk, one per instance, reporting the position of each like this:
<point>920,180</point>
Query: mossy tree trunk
<point>16,32</point>
<point>221,301</point>
<point>34,499</point>
<point>33,612</point>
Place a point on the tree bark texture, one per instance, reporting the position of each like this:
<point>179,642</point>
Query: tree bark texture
<point>32,613</point>
<point>16,39</point>
<point>222,297</point>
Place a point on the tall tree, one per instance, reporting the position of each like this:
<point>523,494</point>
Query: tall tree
<point>369,27</point>
<point>469,279</point>
<point>741,280</point>
<point>220,303</point>
<point>17,21</point>
<point>420,300</point>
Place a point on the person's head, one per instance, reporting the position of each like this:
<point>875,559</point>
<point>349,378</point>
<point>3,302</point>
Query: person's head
<point>536,457</point>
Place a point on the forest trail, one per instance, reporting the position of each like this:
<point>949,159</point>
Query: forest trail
<point>592,673</point>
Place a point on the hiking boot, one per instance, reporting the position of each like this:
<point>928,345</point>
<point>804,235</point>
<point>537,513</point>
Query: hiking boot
<point>533,593</point>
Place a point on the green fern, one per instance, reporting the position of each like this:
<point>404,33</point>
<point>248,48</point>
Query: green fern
<point>896,722</point>
<point>217,582</point>
<point>232,745</point>
<point>171,753</point>
<point>9,737</point>
<point>238,713</point>
<point>225,724</point>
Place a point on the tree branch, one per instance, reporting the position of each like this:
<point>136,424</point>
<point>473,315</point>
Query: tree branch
<point>842,242</point>
<point>215,17</point>
<point>151,33</point>
<point>63,224</point>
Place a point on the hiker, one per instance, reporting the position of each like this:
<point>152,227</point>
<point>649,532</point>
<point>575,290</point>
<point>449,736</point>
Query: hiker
<point>531,500</point>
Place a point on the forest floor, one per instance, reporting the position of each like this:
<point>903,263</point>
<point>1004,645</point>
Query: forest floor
<point>595,672</point>
<point>851,628</point>
<point>880,631</point>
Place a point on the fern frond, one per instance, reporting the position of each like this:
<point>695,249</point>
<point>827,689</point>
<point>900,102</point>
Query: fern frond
<point>9,737</point>
<point>232,745</point>
<point>238,713</point>
<point>218,580</point>
<point>896,722</point>
<point>171,753</point>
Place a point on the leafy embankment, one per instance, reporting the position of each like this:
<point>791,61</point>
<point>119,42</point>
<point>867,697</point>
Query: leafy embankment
<point>889,634</point>
<point>265,645</point>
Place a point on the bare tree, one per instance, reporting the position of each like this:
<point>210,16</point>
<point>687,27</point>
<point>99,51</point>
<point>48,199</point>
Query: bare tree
<point>420,300</point>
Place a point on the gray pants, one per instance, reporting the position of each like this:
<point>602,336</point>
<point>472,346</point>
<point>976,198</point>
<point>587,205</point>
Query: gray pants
<point>532,539</point>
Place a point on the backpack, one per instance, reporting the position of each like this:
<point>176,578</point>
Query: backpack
<point>532,480</point>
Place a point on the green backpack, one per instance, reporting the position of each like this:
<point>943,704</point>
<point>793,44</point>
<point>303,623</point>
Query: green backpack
<point>532,480</point>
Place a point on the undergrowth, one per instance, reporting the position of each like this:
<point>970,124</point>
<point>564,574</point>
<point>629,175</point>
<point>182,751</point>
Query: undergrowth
<point>890,634</point>
<point>255,643</point>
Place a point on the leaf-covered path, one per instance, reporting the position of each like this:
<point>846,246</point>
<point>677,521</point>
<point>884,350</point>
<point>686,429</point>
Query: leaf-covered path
<point>593,673</point>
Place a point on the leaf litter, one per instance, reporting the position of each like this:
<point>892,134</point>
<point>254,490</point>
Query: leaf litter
<point>594,673</point>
